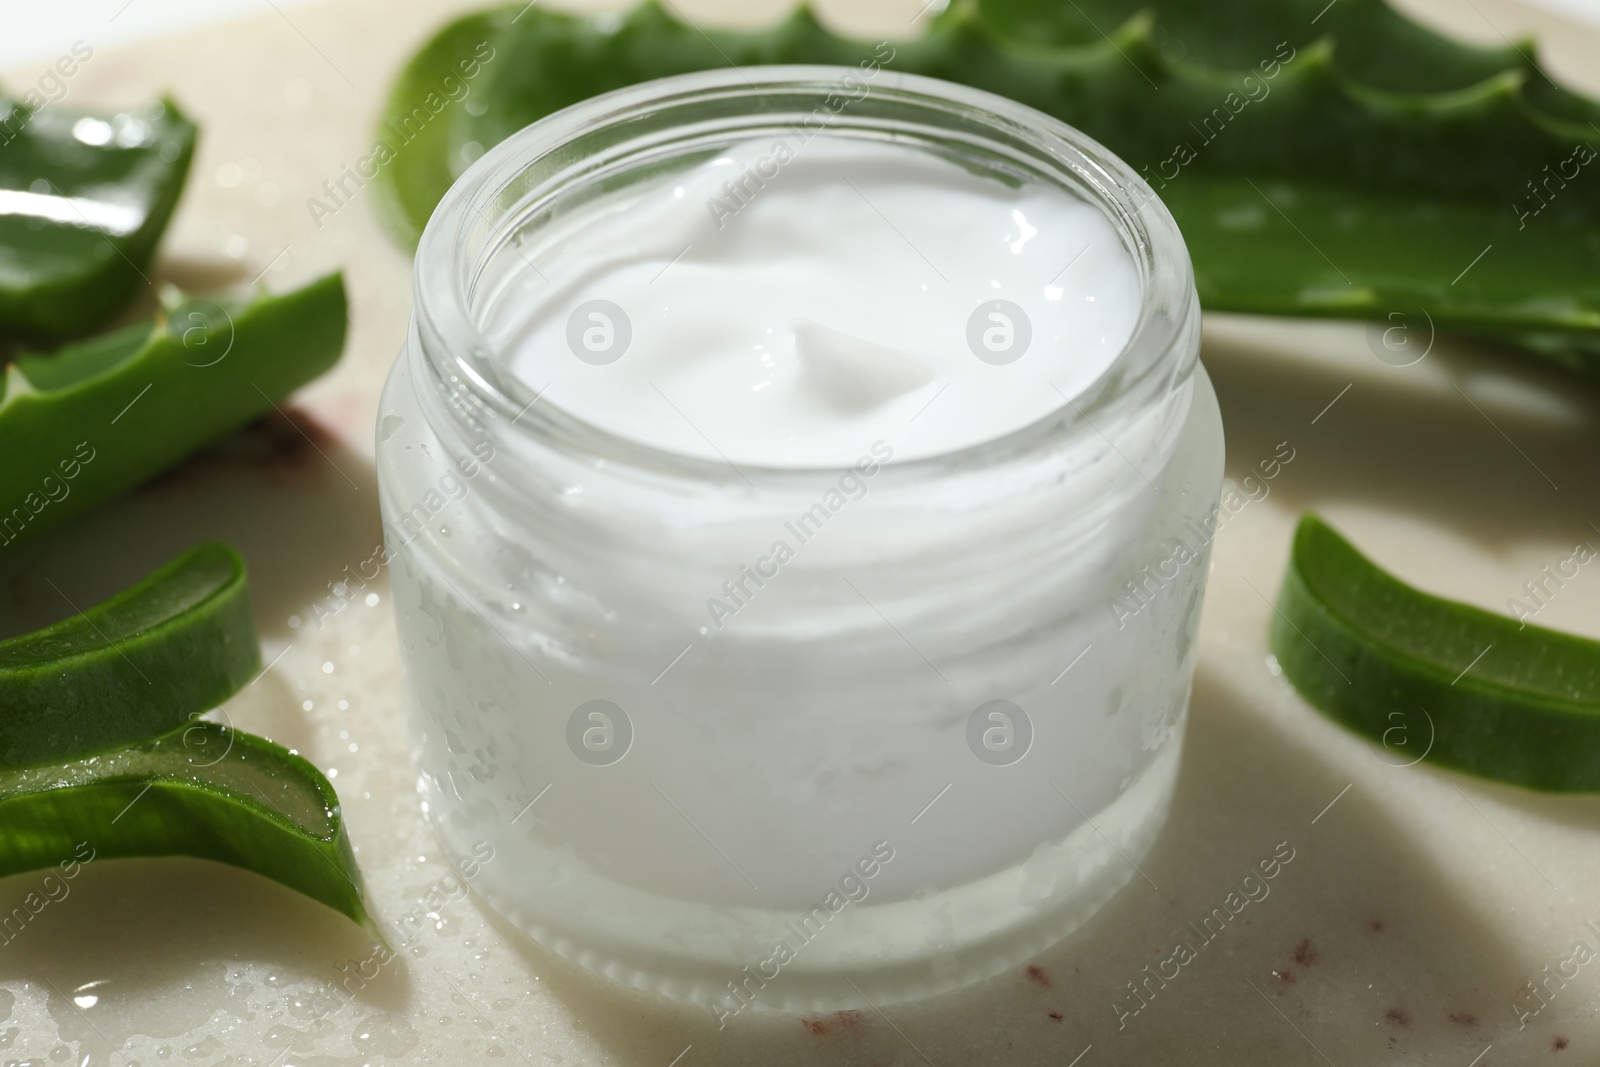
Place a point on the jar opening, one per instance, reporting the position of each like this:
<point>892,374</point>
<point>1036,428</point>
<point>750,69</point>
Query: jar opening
<point>524,190</point>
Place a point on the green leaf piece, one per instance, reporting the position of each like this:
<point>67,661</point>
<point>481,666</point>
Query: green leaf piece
<point>83,201</point>
<point>98,417</point>
<point>417,120</point>
<point>1310,248</point>
<point>103,747</point>
<point>149,659</point>
<point>1322,161</point>
<point>1434,679</point>
<point>201,790</point>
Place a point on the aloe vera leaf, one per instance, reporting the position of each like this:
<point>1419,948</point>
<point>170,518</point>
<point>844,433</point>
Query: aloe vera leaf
<point>418,118</point>
<point>201,790</point>
<point>1377,46</point>
<point>98,417</point>
<point>561,59</point>
<point>1475,691</point>
<point>1306,248</point>
<point>175,645</point>
<point>1385,179</point>
<point>1482,135</point>
<point>83,202</point>
<point>564,60</point>
<point>1482,139</point>
<point>1373,46</point>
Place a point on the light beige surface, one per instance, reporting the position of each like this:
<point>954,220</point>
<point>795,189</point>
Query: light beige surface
<point>1415,905</point>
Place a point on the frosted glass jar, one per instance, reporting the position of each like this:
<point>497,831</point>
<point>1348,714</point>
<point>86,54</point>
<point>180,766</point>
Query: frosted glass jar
<point>931,743</point>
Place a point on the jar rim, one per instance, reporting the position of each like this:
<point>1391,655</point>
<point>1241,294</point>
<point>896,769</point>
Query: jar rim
<point>1157,358</point>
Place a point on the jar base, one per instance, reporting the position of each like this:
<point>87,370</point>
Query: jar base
<point>730,959</point>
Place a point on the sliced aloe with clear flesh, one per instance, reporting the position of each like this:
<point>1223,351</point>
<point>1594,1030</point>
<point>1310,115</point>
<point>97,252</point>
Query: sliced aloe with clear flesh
<point>1457,685</point>
<point>201,790</point>
<point>98,417</point>
<point>83,201</point>
<point>98,720</point>
<point>177,644</point>
<point>1326,162</point>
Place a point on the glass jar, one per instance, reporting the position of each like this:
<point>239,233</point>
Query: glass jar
<point>937,740</point>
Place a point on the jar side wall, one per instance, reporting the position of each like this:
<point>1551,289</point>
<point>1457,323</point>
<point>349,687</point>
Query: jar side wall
<point>491,711</point>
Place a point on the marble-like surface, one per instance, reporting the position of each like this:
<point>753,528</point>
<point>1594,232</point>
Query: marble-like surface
<point>1417,902</point>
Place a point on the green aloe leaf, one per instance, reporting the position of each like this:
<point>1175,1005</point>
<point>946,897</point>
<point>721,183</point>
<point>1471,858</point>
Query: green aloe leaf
<point>418,120</point>
<point>103,747</point>
<point>1325,161</point>
<point>100,416</point>
<point>1434,679</point>
<point>149,659</point>
<point>1311,248</point>
<point>201,790</point>
<point>83,201</point>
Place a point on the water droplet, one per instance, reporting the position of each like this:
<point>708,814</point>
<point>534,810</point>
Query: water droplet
<point>206,1049</point>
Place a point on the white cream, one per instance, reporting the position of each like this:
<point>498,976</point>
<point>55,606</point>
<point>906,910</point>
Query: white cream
<point>790,303</point>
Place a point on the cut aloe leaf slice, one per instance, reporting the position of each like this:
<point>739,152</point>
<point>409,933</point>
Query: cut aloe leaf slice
<point>103,749</point>
<point>202,790</point>
<point>98,417</point>
<point>171,647</point>
<point>83,201</point>
<point>1465,688</point>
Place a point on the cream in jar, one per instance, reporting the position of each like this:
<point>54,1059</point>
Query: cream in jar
<point>786,303</point>
<point>773,641</point>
